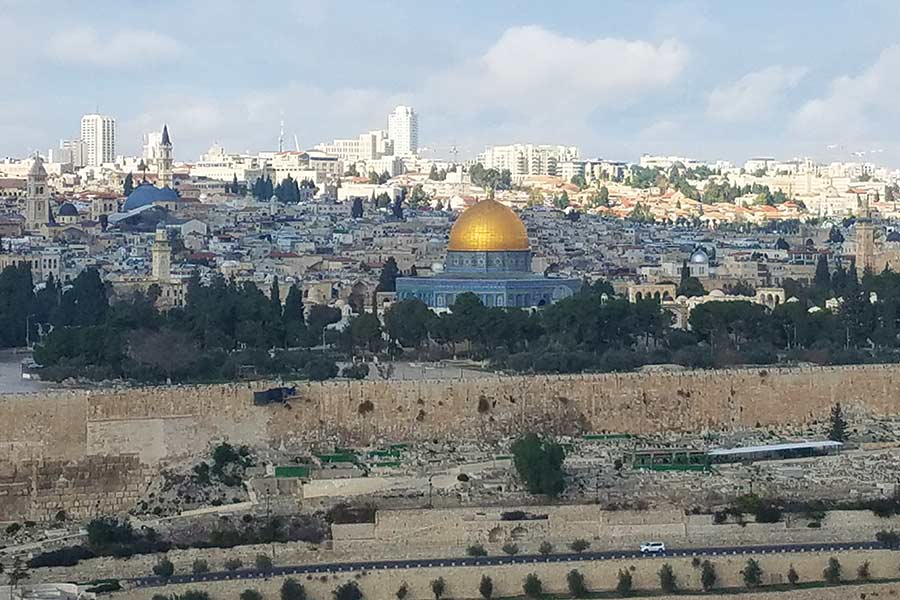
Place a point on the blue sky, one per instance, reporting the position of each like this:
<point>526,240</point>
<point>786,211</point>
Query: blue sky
<point>705,79</point>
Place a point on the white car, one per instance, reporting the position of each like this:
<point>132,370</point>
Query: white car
<point>653,547</point>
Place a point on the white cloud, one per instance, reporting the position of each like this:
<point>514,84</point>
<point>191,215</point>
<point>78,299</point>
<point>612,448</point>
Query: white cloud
<point>124,48</point>
<point>534,73</point>
<point>753,96</point>
<point>854,107</point>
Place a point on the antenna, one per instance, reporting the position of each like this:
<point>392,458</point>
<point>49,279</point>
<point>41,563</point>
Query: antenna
<point>281,134</point>
<point>296,143</point>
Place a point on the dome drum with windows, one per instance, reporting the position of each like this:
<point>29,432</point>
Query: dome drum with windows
<point>488,255</point>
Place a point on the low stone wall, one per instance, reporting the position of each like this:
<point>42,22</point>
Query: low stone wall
<point>462,582</point>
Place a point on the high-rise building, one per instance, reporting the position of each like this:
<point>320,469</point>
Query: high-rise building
<point>69,151</point>
<point>161,254</point>
<point>98,134</point>
<point>403,131</point>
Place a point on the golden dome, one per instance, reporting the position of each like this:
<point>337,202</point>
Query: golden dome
<point>488,226</point>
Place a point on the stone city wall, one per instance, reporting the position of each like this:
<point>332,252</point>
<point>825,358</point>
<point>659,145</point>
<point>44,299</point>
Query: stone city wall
<point>160,425</point>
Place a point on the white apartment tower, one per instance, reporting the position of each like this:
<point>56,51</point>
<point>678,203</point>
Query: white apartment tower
<point>403,131</point>
<point>98,134</point>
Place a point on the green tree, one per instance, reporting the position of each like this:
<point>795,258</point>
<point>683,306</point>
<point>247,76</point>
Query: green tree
<point>407,322</point>
<point>233,564</point>
<point>128,185</point>
<point>510,548</point>
<point>667,579</point>
<point>539,464</point>
<point>752,574</point>
<point>291,589</point>
<point>356,211</point>
<point>624,583</point>
<point>476,550</point>
<point>387,280</point>
<point>292,317</point>
<point>546,548</point>
<point>708,576</point>
<point>603,196</point>
<point>365,332</point>
<point>832,573</point>
<point>822,279</point>
<point>532,586</point>
<point>438,587</point>
<point>486,587</point>
<point>862,572</point>
<point>576,583</point>
<point>689,286</point>
<point>837,430</point>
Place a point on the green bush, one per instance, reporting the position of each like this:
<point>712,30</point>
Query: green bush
<point>580,546</point>
<point>667,579</point>
<point>510,548</point>
<point>199,567</point>
<point>532,586</point>
<point>576,583</point>
<point>164,568</point>
<point>832,573</point>
<point>476,550</point>
<point>233,564</point>
<point>624,583</point>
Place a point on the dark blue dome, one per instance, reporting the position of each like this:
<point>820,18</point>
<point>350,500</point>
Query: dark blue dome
<point>147,193</point>
<point>67,210</point>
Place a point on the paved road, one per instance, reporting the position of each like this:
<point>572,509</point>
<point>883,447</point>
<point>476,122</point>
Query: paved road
<point>487,561</point>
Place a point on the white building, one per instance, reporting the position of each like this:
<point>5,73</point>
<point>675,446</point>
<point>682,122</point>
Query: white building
<point>98,134</point>
<point>69,152</point>
<point>523,160</point>
<point>403,131</point>
<point>216,164</point>
<point>368,146</point>
<point>152,146</point>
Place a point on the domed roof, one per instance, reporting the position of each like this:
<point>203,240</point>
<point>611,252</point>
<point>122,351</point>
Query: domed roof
<point>488,226</point>
<point>67,210</point>
<point>146,193</point>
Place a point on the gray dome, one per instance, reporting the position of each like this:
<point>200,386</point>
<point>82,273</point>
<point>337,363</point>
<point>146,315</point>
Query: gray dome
<point>67,210</point>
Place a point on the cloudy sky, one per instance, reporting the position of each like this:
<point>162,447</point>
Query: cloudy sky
<point>705,79</point>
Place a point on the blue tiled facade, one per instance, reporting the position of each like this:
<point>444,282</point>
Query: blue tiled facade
<point>499,278</point>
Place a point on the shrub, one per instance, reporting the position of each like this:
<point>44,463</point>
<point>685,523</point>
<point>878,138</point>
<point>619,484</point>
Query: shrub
<point>752,573</point>
<point>164,568</point>
<point>233,564</point>
<point>708,576</point>
<point>832,573</point>
<point>348,591</point>
<point>263,563</point>
<point>249,594</point>
<point>105,587</point>
<point>889,539</point>
<point>291,589</point>
<point>486,587</point>
<point>667,579</point>
<point>792,576</point>
<point>438,586</point>
<point>476,550</point>
<point>510,548</point>
<point>580,546</point>
<point>538,463</point>
<point>192,595</point>
<point>532,586</point>
<point>862,572</point>
<point>402,591</point>
<point>546,548</point>
<point>577,586</point>
<point>623,585</point>
<point>13,528</point>
<point>200,566</point>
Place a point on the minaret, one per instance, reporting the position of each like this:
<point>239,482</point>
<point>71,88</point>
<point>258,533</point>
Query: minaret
<point>865,237</point>
<point>164,164</point>
<point>37,203</point>
<point>162,257</point>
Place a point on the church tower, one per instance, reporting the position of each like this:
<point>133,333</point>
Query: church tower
<point>37,203</point>
<point>162,257</point>
<point>164,163</point>
<point>865,237</point>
